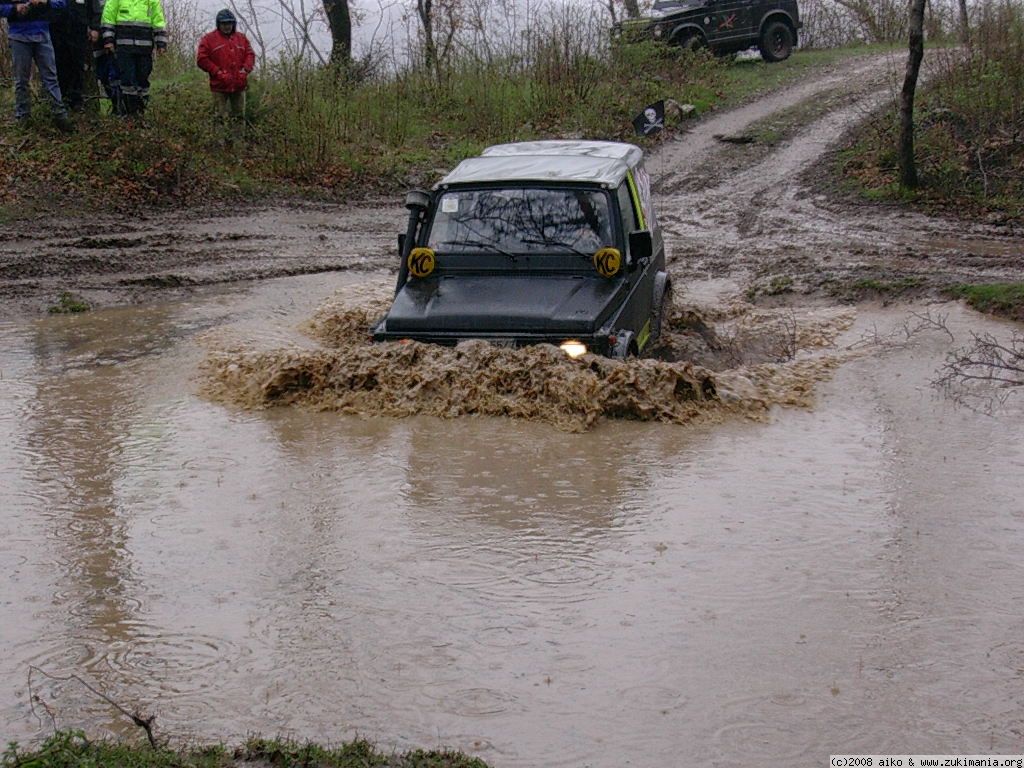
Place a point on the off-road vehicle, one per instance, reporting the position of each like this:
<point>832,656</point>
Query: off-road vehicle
<point>724,26</point>
<point>537,242</point>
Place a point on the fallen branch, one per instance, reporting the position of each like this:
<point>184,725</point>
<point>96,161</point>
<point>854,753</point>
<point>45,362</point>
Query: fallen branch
<point>987,370</point>
<point>145,723</point>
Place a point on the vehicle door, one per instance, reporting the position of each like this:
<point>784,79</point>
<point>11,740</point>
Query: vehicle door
<point>732,22</point>
<point>636,310</point>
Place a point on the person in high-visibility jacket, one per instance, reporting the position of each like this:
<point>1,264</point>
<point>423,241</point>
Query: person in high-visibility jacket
<point>132,29</point>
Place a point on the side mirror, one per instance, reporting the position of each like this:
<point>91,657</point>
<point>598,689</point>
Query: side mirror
<point>641,247</point>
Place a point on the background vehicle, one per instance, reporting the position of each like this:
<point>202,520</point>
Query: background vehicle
<point>724,26</point>
<point>537,242</point>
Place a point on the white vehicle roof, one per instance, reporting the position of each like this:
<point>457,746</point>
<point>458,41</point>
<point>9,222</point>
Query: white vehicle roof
<point>595,162</point>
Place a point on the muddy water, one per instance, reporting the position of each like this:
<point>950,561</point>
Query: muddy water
<point>842,578</point>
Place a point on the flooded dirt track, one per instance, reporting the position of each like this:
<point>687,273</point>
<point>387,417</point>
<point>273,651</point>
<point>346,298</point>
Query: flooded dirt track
<point>838,579</point>
<point>841,573</point>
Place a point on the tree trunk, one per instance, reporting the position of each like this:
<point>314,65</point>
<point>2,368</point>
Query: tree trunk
<point>425,10</point>
<point>632,8</point>
<point>908,169</point>
<point>965,28</point>
<point>340,23</point>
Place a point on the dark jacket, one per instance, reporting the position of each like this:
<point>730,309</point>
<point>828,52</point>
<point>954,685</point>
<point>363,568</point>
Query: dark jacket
<point>78,14</point>
<point>33,24</point>
<point>227,59</point>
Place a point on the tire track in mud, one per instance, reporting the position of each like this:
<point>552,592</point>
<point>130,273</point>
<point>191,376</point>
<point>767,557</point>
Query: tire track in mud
<point>691,158</point>
<point>112,260</point>
<point>766,219</point>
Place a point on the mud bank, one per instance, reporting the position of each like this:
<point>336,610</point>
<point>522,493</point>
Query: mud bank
<point>762,213</point>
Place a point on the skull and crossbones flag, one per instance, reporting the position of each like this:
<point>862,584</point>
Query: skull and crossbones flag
<point>651,120</point>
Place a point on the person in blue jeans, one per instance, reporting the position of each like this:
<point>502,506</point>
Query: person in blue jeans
<point>28,30</point>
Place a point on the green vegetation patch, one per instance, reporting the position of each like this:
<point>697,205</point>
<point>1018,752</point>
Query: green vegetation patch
<point>69,304</point>
<point>1006,299</point>
<point>321,131</point>
<point>776,286</point>
<point>968,146</point>
<point>865,288</point>
<point>71,749</point>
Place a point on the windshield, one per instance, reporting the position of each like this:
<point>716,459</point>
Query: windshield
<point>522,221</point>
<point>668,5</point>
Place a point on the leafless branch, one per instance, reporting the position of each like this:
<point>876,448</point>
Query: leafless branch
<point>984,373</point>
<point>145,723</point>
<point>910,329</point>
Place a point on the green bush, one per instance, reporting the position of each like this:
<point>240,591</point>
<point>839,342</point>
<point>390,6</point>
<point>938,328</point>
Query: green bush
<point>969,121</point>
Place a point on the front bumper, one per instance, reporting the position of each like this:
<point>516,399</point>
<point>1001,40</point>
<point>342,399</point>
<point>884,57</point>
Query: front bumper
<point>600,344</point>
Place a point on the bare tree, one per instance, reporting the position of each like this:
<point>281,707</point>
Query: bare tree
<point>297,25</point>
<point>869,16</point>
<point>908,168</point>
<point>425,13</point>
<point>440,21</point>
<point>965,29</point>
<point>249,21</point>
<point>339,21</point>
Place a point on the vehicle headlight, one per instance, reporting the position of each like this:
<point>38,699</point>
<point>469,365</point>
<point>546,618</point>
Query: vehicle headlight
<point>658,30</point>
<point>573,348</point>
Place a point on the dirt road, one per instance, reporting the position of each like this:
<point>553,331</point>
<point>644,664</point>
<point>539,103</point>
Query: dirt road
<point>757,212</point>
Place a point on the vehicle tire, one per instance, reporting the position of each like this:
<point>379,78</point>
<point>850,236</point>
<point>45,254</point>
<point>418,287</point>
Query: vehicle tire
<point>660,315</point>
<point>776,42</point>
<point>691,41</point>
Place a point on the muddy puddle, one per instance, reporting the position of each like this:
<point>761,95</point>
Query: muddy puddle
<point>839,577</point>
<point>743,362</point>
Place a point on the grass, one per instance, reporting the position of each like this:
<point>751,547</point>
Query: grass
<point>1006,299</point>
<point>71,749</point>
<point>750,77</point>
<point>313,132</point>
<point>969,152</point>
<point>69,304</point>
<point>777,285</point>
<point>874,287</point>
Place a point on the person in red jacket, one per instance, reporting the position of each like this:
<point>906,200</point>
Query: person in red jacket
<point>227,57</point>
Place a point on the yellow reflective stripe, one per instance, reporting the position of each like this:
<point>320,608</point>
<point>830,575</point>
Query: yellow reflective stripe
<point>645,335</point>
<point>636,200</point>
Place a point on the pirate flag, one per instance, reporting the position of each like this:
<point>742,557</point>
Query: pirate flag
<point>651,120</point>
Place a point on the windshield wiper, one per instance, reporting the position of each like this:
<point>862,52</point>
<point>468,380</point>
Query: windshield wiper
<point>554,244</point>
<point>480,244</point>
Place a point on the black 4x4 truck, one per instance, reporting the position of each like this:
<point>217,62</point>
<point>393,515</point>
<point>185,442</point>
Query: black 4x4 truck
<point>724,26</point>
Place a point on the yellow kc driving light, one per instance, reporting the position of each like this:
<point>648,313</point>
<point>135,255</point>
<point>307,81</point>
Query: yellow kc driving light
<point>573,349</point>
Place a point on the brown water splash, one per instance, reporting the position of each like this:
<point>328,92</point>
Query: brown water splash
<point>538,383</point>
<point>753,358</point>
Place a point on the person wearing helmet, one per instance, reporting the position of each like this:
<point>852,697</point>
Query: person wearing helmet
<point>227,57</point>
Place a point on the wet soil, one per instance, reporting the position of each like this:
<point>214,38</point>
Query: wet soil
<point>753,212</point>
